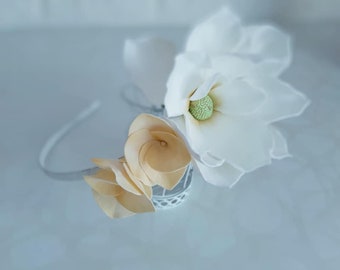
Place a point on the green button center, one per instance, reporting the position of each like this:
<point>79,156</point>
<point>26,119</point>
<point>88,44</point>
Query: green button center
<point>202,109</point>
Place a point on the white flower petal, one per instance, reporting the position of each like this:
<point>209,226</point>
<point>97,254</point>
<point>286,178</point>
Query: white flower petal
<point>179,125</point>
<point>205,158</point>
<point>184,79</point>
<point>210,160</point>
<point>237,97</point>
<point>280,149</point>
<point>149,62</point>
<point>244,142</point>
<point>269,46</point>
<point>224,175</point>
<point>282,101</point>
<point>232,66</point>
<point>205,87</point>
<point>217,35</point>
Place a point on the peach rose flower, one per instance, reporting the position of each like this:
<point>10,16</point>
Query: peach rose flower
<point>116,192</point>
<point>154,155</point>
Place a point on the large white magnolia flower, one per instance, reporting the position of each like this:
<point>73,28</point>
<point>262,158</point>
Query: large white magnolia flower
<point>223,93</point>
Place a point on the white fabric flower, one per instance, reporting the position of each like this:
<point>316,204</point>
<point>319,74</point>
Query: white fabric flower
<point>224,94</point>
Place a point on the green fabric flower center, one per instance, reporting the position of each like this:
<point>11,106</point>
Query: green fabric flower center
<point>202,109</point>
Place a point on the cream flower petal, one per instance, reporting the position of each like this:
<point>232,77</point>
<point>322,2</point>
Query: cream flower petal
<point>244,142</point>
<point>102,162</point>
<point>124,180</point>
<point>162,159</point>
<point>120,174</point>
<point>280,149</point>
<point>149,61</point>
<point>268,46</point>
<point>152,141</point>
<point>111,207</point>
<point>166,153</point>
<point>224,175</point>
<point>145,189</point>
<point>237,97</point>
<point>135,203</point>
<point>282,102</point>
<point>219,34</point>
<point>184,79</point>
<point>150,122</point>
<point>132,149</point>
<point>104,183</point>
<point>167,180</point>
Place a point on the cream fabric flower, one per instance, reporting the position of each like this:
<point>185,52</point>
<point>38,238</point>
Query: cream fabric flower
<point>224,94</point>
<point>118,194</point>
<point>155,153</point>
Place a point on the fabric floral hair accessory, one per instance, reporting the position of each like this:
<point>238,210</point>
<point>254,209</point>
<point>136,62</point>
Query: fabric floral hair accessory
<point>222,96</point>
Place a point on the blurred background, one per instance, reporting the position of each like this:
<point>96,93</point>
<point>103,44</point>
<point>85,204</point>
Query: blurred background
<point>27,13</point>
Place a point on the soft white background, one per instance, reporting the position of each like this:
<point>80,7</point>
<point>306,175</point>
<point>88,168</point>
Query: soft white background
<point>57,56</point>
<point>24,13</point>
